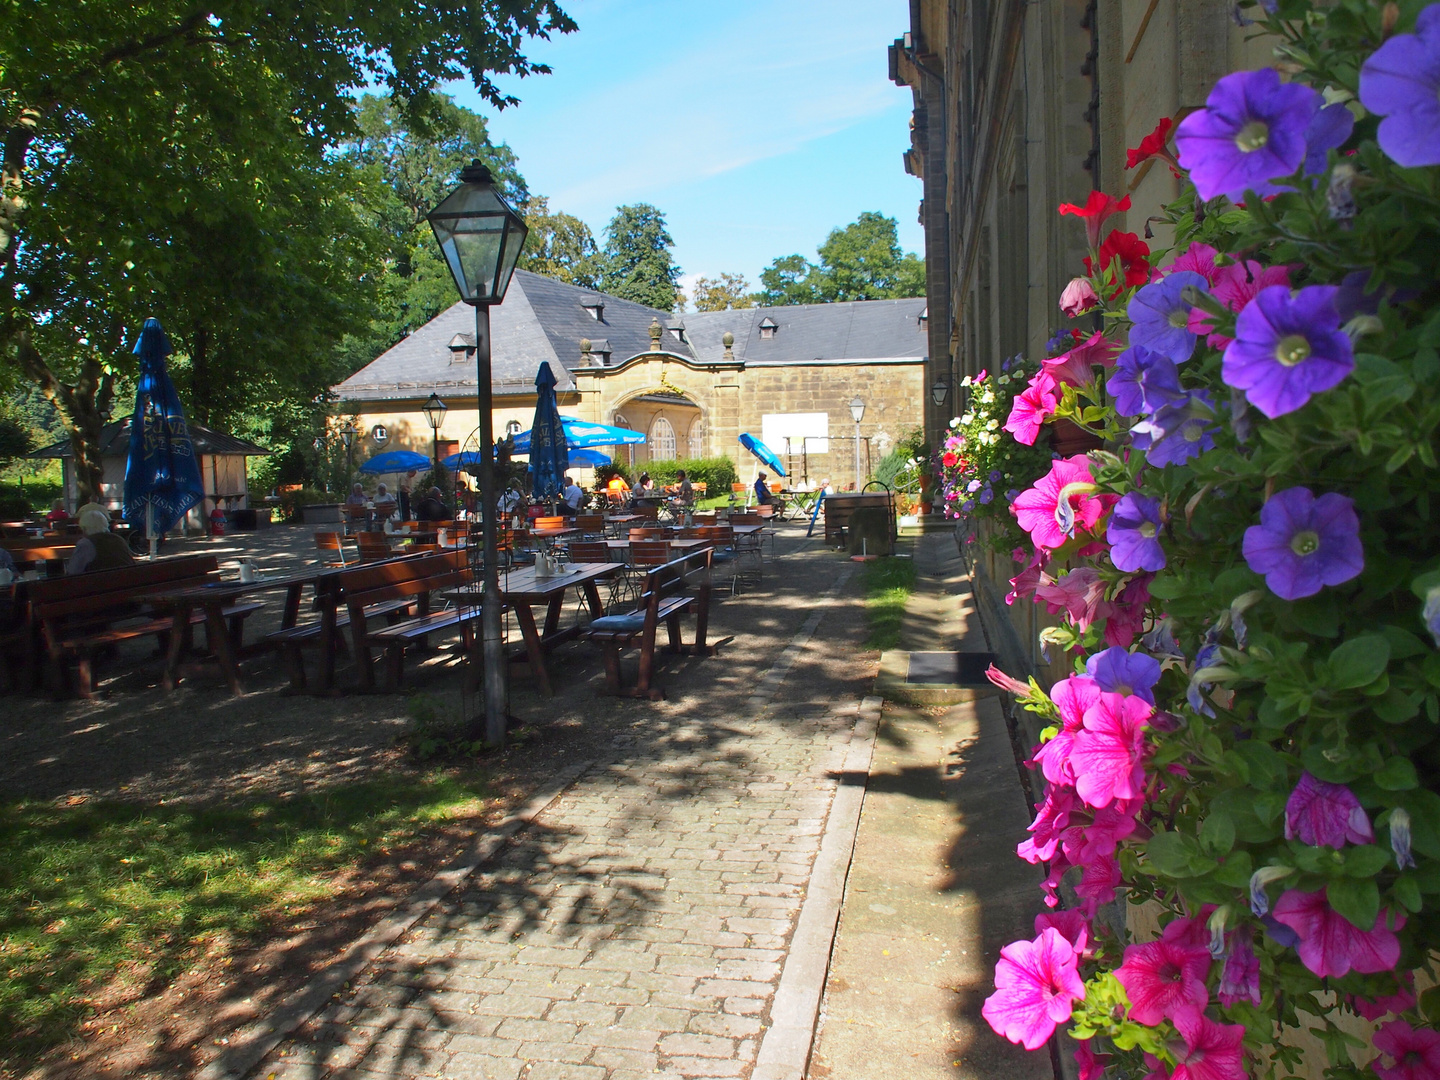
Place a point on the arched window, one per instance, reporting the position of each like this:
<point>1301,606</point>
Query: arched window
<point>662,440</point>
<point>629,449</point>
<point>697,439</point>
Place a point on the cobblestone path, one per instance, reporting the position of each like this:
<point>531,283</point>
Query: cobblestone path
<point>636,929</point>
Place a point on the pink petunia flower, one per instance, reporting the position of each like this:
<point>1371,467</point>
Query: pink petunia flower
<point>1036,986</point>
<point>1397,1003</point>
<point>1190,931</point>
<point>1071,925</point>
<point>1090,1064</point>
<point>1072,697</point>
<point>1109,750</point>
<point>1199,259</point>
<point>1414,1051</point>
<point>1164,980</point>
<point>1077,367</point>
<point>1051,818</point>
<point>1330,944</point>
<point>1099,878</point>
<point>1326,815</point>
<point>1126,618</point>
<point>1078,297</point>
<point>1030,408</point>
<point>1080,594</point>
<point>1235,286</point>
<point>1212,1051</point>
<point>1038,509</point>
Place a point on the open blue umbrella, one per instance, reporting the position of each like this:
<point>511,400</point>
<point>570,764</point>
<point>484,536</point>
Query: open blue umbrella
<point>549,456</point>
<point>395,461</point>
<point>582,434</point>
<point>764,453</point>
<point>465,460</point>
<point>591,458</point>
<point>162,474</point>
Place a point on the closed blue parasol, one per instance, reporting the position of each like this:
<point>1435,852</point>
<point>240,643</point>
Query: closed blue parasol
<point>395,461</point>
<point>581,435</point>
<point>162,474</point>
<point>763,452</point>
<point>549,456</point>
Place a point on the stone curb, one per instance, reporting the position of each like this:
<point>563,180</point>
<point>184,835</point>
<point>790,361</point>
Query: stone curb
<point>785,1048</point>
<point>250,1046</point>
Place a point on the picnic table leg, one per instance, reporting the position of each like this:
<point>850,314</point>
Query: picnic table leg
<point>647,668</point>
<point>179,638</point>
<point>534,648</point>
<point>552,613</point>
<point>592,597</point>
<point>217,636</point>
<point>291,614</point>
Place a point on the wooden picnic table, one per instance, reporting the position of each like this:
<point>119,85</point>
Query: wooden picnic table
<point>521,589</point>
<point>683,546</point>
<point>213,598</point>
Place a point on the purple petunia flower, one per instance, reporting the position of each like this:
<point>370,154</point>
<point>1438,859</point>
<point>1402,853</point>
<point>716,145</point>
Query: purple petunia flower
<point>986,495</point>
<point>1330,128</point>
<point>1160,315</point>
<point>1179,432</point>
<point>1401,82</point>
<point>1240,978</point>
<point>1303,543</point>
<point>1430,613</point>
<point>1323,814</point>
<point>1134,532</point>
<point>1251,132</point>
<point>1143,382</point>
<point>1061,341</point>
<point>1287,349</point>
<point>1117,671</point>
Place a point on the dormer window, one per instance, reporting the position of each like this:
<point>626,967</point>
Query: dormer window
<point>925,317</point>
<point>768,326</point>
<point>601,349</point>
<point>594,307</point>
<point>679,331</point>
<point>462,348</point>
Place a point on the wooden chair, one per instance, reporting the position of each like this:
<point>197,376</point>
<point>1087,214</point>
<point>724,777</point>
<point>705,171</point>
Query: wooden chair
<point>549,523</point>
<point>649,533</point>
<point>373,546</point>
<point>649,513</point>
<point>332,541</point>
<point>591,525</point>
<point>597,551</point>
<point>736,490</point>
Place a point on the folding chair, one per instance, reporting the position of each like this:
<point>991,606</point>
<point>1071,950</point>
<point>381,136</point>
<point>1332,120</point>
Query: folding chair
<point>332,541</point>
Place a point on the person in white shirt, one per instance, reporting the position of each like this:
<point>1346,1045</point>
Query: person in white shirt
<point>573,495</point>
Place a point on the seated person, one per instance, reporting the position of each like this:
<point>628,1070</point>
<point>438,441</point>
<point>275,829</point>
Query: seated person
<point>683,488</point>
<point>57,515</point>
<point>432,507</point>
<point>616,489</point>
<point>511,501</point>
<point>385,503</point>
<point>572,494</point>
<point>98,548</point>
<point>357,497</point>
<point>762,491</point>
<point>645,493</point>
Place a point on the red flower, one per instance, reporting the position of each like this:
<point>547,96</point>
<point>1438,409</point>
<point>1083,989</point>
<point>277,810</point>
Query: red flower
<point>1132,256</point>
<point>1152,145</point>
<point>1097,208</point>
<point>950,459</point>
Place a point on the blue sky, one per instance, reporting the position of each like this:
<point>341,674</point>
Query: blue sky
<point>757,126</point>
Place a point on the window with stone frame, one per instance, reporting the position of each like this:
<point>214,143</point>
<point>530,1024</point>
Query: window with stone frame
<point>697,439</point>
<point>662,440</point>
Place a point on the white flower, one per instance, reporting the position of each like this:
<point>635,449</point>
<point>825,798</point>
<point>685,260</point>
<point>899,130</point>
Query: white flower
<point>955,422</point>
<point>965,381</point>
<point>968,418</point>
<point>992,424</point>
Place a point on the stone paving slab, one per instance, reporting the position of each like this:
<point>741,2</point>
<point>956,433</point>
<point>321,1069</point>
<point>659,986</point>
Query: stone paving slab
<point>638,927</point>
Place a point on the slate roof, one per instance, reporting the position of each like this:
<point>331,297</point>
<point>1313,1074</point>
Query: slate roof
<point>851,330</point>
<point>115,442</point>
<point>541,321</point>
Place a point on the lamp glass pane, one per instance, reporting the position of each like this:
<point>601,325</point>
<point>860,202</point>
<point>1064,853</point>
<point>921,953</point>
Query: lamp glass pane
<point>514,241</point>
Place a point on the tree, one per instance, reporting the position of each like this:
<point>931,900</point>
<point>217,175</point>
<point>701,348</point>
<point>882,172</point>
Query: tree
<point>146,144</point>
<point>559,246</point>
<point>636,263</point>
<point>721,293</point>
<point>862,261</point>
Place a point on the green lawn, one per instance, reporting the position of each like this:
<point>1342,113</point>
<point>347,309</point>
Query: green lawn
<point>888,584</point>
<point>86,890</point>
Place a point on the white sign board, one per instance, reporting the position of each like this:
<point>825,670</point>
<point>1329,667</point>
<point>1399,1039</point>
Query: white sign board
<point>808,432</point>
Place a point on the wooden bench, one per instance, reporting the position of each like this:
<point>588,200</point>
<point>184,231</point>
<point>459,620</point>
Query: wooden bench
<point>410,580</point>
<point>838,508</point>
<point>324,631</point>
<point>79,616</point>
<point>664,600</point>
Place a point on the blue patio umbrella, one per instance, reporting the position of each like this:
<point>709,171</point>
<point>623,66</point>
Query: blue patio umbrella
<point>162,474</point>
<point>591,458</point>
<point>582,434</point>
<point>465,460</point>
<point>767,456</point>
<point>395,461</point>
<point>549,456</point>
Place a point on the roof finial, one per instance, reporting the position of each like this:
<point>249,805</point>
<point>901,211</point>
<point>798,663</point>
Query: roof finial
<point>655,333</point>
<point>728,340</point>
<point>585,360</point>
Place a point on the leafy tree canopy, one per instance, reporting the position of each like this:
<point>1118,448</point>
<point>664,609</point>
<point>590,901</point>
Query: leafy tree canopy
<point>862,261</point>
<point>559,246</point>
<point>637,263</point>
<point>722,292</point>
<point>160,158</point>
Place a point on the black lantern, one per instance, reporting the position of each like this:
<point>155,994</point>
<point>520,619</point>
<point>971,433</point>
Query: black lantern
<point>480,238</point>
<point>939,392</point>
<point>435,410</point>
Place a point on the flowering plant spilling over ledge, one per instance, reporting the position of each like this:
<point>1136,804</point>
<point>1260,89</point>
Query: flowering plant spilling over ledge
<point>1248,581</point>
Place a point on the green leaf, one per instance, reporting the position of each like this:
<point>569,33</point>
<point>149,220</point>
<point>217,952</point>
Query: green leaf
<point>1171,853</point>
<point>1356,899</point>
<point>1398,774</point>
<point>1406,890</point>
<point>1366,860</point>
<point>1217,835</point>
<point>1359,661</point>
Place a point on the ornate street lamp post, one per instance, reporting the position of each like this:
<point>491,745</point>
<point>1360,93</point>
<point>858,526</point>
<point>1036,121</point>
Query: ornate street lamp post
<point>480,238</point>
<point>347,435</point>
<point>435,410</point>
<point>857,413</point>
